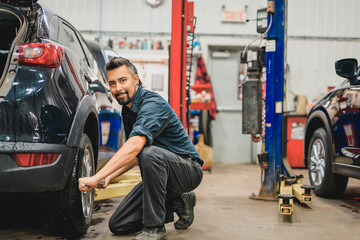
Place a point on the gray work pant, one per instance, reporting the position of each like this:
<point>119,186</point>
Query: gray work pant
<point>165,176</point>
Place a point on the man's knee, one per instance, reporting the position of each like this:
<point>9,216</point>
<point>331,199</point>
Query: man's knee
<point>114,226</point>
<point>145,152</point>
<point>118,228</point>
<point>149,156</point>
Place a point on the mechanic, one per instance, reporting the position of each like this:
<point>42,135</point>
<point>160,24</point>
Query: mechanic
<point>169,163</point>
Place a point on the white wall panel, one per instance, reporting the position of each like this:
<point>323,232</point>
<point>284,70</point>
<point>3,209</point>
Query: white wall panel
<point>136,16</point>
<point>209,12</point>
<point>117,15</point>
<point>326,18</point>
<point>82,14</point>
<point>311,64</point>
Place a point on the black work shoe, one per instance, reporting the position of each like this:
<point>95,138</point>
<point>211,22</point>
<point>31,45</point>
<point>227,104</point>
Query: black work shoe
<point>154,233</point>
<point>186,211</point>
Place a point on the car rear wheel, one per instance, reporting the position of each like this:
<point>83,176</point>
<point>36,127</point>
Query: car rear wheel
<point>327,183</point>
<point>71,210</point>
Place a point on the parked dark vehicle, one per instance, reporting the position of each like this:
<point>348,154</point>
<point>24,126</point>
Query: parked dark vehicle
<point>49,127</point>
<point>101,53</point>
<point>332,134</point>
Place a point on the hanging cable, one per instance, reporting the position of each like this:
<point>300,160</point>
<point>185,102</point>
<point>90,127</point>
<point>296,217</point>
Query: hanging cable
<point>259,137</point>
<point>189,71</point>
<point>261,37</point>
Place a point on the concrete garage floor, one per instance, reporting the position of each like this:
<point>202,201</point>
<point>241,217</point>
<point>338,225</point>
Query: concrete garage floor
<point>225,211</point>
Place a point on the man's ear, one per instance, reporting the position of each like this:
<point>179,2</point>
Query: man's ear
<point>136,78</point>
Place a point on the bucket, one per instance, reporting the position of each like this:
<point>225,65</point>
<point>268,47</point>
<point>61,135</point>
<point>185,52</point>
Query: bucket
<point>110,125</point>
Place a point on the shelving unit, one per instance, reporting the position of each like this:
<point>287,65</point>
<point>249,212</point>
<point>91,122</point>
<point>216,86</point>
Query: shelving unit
<point>201,105</point>
<point>203,87</point>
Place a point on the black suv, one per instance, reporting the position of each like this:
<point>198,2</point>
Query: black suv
<point>49,128</point>
<point>332,134</point>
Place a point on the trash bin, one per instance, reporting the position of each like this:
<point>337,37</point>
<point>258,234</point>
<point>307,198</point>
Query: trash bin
<point>294,144</point>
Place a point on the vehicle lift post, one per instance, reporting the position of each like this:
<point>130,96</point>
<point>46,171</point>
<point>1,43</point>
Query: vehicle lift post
<point>182,23</point>
<point>279,177</point>
<point>275,87</point>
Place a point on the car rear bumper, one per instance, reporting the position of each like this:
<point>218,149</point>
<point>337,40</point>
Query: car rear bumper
<point>50,177</point>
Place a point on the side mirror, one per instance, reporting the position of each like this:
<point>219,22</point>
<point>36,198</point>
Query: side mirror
<point>347,68</point>
<point>97,86</point>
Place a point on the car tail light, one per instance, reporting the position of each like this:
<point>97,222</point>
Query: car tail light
<point>40,54</point>
<point>34,159</point>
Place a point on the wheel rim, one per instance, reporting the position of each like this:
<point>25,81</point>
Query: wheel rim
<point>87,198</point>
<point>317,162</point>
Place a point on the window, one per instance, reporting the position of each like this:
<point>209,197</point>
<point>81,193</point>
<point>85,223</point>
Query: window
<point>69,39</point>
<point>93,64</point>
<point>54,28</point>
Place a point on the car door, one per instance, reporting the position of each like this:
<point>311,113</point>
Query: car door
<point>76,63</point>
<point>103,99</point>
<point>343,109</point>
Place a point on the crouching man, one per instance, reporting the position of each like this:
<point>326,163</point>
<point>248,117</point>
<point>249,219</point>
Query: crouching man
<point>169,163</point>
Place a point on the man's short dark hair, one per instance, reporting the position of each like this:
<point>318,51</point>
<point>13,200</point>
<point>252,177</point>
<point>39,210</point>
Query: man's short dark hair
<point>116,62</point>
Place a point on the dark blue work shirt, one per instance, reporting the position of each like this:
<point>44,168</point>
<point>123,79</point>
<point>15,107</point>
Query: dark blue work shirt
<point>151,116</point>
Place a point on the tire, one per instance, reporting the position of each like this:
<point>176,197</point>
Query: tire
<point>319,158</point>
<point>71,210</point>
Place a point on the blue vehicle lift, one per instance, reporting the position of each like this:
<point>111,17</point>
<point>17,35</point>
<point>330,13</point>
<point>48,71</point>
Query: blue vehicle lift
<point>275,97</point>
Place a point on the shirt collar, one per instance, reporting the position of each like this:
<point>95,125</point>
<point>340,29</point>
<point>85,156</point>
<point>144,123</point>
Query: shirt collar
<point>136,102</point>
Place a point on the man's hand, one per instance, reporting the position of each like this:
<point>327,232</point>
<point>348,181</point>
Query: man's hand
<point>86,183</point>
<point>122,161</point>
<point>104,183</point>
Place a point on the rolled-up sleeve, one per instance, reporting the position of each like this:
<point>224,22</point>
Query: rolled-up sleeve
<point>150,118</point>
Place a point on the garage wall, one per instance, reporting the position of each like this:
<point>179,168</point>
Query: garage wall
<point>311,64</point>
<point>137,16</point>
<point>325,18</point>
<point>116,15</point>
<point>319,33</point>
<point>83,14</point>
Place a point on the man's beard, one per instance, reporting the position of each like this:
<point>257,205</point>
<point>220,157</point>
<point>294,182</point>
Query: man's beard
<point>123,101</point>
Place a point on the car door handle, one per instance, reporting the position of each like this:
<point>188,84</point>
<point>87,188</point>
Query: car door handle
<point>87,78</point>
<point>110,98</point>
<point>90,77</point>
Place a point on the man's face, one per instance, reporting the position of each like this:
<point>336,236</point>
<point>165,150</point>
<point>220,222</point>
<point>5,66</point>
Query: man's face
<point>123,85</point>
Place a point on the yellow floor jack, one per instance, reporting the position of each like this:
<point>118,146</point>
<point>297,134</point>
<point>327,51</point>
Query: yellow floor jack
<point>290,189</point>
<point>119,186</point>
